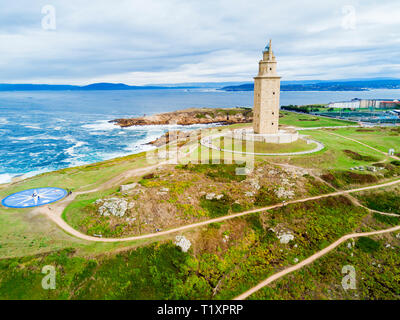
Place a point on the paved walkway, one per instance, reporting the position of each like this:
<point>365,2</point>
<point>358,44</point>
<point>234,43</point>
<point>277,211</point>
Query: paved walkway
<point>55,212</point>
<point>365,145</point>
<point>207,142</point>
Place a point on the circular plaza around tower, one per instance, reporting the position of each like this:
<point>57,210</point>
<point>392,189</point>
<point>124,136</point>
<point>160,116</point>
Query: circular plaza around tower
<point>282,136</point>
<point>260,145</point>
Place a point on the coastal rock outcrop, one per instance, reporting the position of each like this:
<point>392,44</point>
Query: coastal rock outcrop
<point>183,243</point>
<point>114,206</point>
<point>191,116</point>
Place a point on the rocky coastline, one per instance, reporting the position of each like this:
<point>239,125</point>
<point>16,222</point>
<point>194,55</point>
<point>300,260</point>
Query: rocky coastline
<point>190,117</point>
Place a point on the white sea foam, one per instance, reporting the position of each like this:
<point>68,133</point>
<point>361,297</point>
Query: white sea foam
<point>6,178</point>
<point>36,137</point>
<point>71,150</point>
<point>77,163</point>
<point>101,125</point>
<point>35,173</point>
<point>33,127</point>
<point>3,121</point>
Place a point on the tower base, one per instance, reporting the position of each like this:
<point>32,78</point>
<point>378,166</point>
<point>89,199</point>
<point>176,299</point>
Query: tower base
<point>283,136</point>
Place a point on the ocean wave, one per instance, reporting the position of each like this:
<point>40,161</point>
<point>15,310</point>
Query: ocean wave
<point>33,127</point>
<point>77,144</point>
<point>36,137</point>
<point>100,125</point>
<point>77,162</point>
<point>105,125</point>
<point>3,121</point>
<point>34,173</point>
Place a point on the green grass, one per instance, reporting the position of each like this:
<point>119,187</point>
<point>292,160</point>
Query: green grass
<point>367,244</point>
<point>78,178</point>
<point>262,147</point>
<point>215,207</point>
<point>390,220</point>
<point>384,200</point>
<point>333,156</point>
<point>382,139</point>
<point>79,215</point>
<point>162,271</point>
<point>23,233</point>
<point>346,179</point>
<point>376,267</point>
<point>251,253</point>
<point>153,272</point>
<point>218,172</point>
<point>309,121</point>
<point>376,275</point>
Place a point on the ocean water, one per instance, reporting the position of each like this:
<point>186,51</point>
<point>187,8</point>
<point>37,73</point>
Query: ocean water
<point>42,131</point>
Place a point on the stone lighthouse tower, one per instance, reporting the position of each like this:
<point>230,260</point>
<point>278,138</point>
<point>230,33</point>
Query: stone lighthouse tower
<point>266,95</point>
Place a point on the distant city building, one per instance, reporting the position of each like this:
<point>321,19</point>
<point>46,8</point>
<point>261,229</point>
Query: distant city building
<point>365,103</point>
<point>354,104</point>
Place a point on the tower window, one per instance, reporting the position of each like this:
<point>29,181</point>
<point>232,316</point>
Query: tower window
<point>270,69</point>
<point>273,93</point>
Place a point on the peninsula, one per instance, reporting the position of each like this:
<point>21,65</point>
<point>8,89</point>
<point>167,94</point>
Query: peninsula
<point>191,116</point>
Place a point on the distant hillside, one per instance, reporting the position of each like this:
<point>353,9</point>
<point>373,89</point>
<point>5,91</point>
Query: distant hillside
<point>94,86</point>
<point>306,85</point>
<point>359,85</point>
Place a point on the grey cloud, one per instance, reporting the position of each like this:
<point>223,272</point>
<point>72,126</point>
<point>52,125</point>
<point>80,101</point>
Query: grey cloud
<point>157,41</point>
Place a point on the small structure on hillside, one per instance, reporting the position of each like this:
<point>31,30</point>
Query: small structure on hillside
<point>391,152</point>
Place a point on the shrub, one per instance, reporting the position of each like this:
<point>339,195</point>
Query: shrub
<point>316,187</point>
<point>265,197</point>
<point>396,163</point>
<point>356,156</point>
<point>367,244</point>
<point>391,220</point>
<point>218,172</point>
<point>341,179</point>
<point>382,201</point>
<point>149,176</point>
<point>215,207</point>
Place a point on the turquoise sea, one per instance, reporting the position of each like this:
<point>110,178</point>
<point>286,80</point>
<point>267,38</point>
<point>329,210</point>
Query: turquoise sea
<point>47,130</point>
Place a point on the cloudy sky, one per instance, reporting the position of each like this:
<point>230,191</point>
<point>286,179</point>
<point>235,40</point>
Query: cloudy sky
<point>175,41</point>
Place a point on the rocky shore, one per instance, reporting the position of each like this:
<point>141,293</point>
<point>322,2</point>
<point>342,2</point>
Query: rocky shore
<point>191,116</point>
<point>169,137</point>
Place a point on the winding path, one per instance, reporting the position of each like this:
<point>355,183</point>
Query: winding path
<point>310,260</point>
<point>55,212</point>
<point>365,145</point>
<point>207,142</point>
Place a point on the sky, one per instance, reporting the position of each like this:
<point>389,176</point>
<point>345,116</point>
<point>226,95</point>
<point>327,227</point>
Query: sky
<point>176,41</point>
